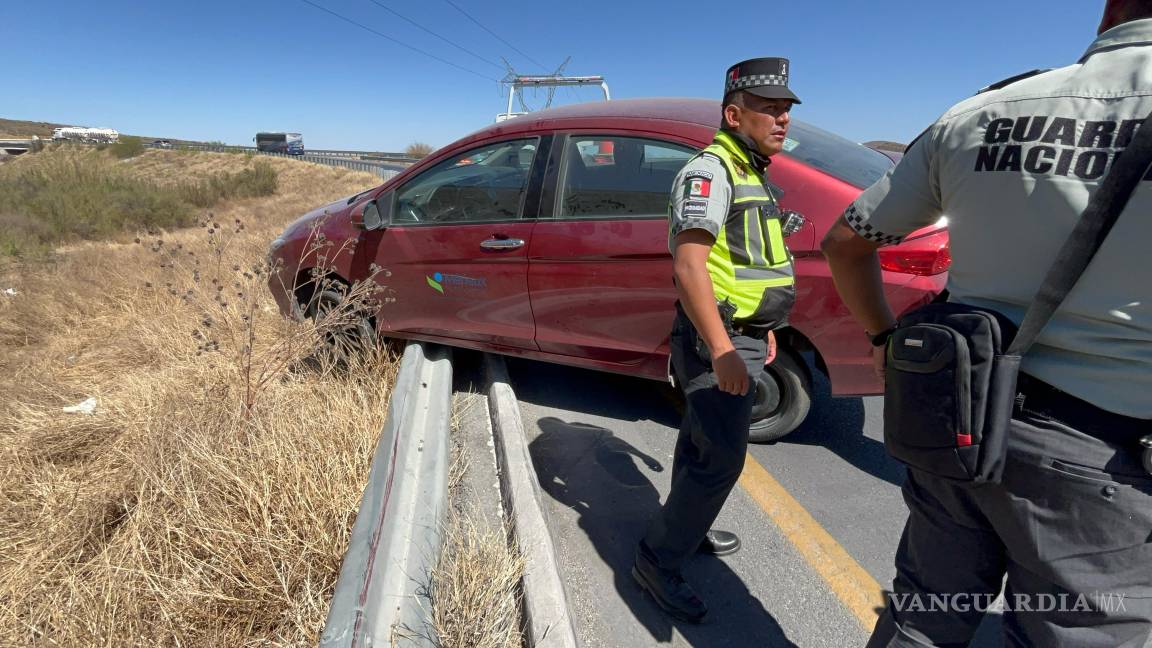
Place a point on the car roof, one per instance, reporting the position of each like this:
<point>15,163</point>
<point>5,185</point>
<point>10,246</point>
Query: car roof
<point>703,112</point>
<point>699,111</point>
<point>691,120</point>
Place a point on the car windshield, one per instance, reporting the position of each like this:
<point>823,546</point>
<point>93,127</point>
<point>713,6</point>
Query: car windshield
<point>841,158</point>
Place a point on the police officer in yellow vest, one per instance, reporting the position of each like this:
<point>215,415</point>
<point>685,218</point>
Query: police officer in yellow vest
<point>734,277</point>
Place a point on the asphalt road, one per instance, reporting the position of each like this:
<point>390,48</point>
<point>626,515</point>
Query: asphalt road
<point>602,446</point>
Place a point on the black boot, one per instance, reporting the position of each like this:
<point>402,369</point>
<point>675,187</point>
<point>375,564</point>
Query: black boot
<point>668,588</point>
<point>719,543</point>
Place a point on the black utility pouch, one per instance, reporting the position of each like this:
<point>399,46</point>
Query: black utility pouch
<point>949,391</point>
<point>951,377</point>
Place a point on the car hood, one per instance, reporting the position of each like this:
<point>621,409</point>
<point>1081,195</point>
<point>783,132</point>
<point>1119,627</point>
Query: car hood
<point>303,224</point>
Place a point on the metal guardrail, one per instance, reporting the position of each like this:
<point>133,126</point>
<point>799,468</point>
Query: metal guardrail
<point>547,621</point>
<point>401,158</point>
<point>381,596</point>
<point>17,146</point>
<point>356,165</point>
<point>384,165</point>
<point>375,165</point>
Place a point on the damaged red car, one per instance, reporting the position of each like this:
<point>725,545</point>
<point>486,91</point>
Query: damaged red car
<point>545,237</point>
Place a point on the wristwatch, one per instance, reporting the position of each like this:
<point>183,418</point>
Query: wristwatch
<point>1147,443</point>
<point>881,338</point>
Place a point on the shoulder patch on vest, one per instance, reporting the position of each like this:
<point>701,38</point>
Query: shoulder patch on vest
<point>1012,79</point>
<point>695,208</point>
<point>698,186</point>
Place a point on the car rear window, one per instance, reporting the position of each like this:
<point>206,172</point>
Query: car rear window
<point>611,176</point>
<point>841,158</point>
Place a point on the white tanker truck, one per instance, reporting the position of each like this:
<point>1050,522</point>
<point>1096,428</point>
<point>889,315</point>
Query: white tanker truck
<point>86,135</point>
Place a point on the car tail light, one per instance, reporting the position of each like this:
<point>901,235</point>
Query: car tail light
<point>918,261</point>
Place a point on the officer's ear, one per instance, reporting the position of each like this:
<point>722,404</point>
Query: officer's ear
<point>731,116</point>
<point>733,103</point>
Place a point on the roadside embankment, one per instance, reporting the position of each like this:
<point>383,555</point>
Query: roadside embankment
<point>173,468</point>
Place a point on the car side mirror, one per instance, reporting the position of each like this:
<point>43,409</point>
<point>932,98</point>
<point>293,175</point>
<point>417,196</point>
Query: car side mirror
<point>374,214</point>
<point>366,216</point>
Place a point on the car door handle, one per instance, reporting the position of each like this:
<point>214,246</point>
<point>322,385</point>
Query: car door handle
<point>502,244</point>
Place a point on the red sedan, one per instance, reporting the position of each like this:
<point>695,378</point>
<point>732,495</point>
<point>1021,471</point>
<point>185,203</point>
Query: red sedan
<point>545,237</point>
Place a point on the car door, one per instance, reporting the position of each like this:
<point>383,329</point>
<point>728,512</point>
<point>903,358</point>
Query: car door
<point>600,273</point>
<point>455,255</point>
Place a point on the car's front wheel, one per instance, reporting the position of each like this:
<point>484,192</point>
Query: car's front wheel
<point>783,397</point>
<point>348,341</point>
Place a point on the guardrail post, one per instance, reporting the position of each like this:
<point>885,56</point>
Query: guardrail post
<point>381,596</point>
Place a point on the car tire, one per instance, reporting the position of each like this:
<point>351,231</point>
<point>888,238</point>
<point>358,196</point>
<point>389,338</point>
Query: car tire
<point>783,398</point>
<point>347,343</point>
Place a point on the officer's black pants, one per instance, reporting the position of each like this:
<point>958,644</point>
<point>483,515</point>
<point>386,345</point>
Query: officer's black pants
<point>1070,526</point>
<point>710,449</point>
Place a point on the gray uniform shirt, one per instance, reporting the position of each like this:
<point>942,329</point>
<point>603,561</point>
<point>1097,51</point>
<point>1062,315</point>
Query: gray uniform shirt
<point>1013,169</point>
<point>700,199</point>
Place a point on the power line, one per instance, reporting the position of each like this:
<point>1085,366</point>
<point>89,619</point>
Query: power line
<point>398,42</point>
<point>494,34</point>
<point>425,29</point>
<point>559,71</point>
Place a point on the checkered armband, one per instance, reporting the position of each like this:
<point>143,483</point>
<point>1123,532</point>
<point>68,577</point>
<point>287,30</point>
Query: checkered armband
<point>859,223</point>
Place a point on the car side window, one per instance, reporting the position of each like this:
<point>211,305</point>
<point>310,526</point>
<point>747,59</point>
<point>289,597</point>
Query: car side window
<point>607,176</point>
<point>480,185</point>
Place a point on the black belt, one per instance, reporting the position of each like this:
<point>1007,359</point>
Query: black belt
<point>737,328</point>
<point>747,330</point>
<point>1041,398</point>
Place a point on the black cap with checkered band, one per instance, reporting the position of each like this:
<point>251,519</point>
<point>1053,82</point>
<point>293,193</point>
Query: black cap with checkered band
<point>763,77</point>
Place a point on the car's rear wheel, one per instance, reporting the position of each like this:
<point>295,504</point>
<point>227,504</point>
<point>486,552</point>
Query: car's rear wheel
<point>347,342</point>
<point>783,397</point>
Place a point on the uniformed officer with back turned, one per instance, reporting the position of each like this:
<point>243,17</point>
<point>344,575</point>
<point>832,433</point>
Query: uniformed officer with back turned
<point>1068,530</point>
<point>734,278</point>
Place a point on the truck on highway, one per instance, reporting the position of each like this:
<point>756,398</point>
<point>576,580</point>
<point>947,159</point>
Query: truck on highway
<point>85,135</point>
<point>290,143</point>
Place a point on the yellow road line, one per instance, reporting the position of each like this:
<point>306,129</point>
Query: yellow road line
<point>855,588</point>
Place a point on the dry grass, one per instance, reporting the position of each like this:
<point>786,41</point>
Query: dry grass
<point>69,193</point>
<point>475,596</point>
<point>474,590</point>
<point>176,166</point>
<point>15,128</point>
<point>186,510</point>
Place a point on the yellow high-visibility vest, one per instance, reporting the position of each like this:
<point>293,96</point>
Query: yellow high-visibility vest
<point>749,263</point>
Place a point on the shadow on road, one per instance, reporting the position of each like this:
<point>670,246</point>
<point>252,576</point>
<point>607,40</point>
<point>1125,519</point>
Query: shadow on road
<point>834,423</point>
<point>838,424</point>
<point>599,476</point>
<point>625,398</point>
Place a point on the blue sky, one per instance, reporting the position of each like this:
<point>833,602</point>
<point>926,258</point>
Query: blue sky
<point>222,70</point>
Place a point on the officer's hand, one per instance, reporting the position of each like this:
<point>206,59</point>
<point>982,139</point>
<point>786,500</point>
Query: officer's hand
<point>771,342</point>
<point>879,360</point>
<point>731,373</point>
